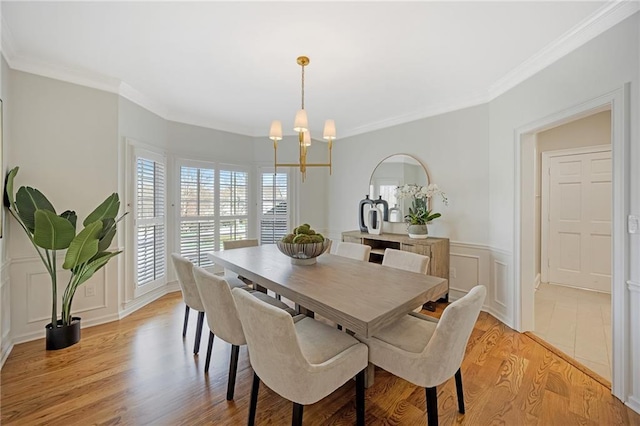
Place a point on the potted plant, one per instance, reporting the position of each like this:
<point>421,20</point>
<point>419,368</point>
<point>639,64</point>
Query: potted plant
<point>419,213</point>
<point>50,233</point>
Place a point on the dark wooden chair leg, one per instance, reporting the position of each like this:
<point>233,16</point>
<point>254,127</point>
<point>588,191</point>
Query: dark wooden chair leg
<point>233,368</point>
<point>339,327</point>
<point>209,348</point>
<point>296,419</point>
<point>253,403</point>
<point>186,321</point>
<point>459,392</point>
<point>432,406</point>
<point>360,398</point>
<point>278,297</point>
<point>196,344</point>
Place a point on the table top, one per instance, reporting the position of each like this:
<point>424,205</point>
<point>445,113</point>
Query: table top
<point>363,297</point>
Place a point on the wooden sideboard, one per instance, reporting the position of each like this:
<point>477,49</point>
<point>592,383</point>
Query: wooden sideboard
<point>436,248</point>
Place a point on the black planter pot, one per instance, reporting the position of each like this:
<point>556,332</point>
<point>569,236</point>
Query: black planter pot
<point>63,336</point>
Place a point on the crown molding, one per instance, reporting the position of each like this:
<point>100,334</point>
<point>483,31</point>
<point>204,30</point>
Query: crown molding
<point>600,21</point>
<point>603,19</point>
<point>212,123</point>
<point>442,108</point>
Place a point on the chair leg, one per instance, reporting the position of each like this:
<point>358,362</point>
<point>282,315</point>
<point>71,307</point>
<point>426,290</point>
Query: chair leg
<point>253,403</point>
<point>278,297</point>
<point>209,348</point>
<point>296,419</point>
<point>186,321</point>
<point>233,368</point>
<point>432,406</point>
<point>360,398</point>
<point>196,344</point>
<point>459,391</point>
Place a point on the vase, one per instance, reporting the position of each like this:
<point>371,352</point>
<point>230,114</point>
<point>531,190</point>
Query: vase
<point>418,231</point>
<point>63,336</point>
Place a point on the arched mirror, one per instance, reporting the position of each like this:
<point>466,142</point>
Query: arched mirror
<point>396,170</point>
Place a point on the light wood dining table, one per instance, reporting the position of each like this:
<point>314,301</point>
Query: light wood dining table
<point>363,297</point>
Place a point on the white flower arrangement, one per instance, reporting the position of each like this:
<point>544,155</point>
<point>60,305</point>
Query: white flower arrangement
<point>420,192</point>
<point>419,213</point>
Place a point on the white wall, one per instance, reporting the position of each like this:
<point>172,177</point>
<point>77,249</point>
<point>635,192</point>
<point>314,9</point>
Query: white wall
<point>64,138</point>
<point>5,288</point>
<point>455,149</point>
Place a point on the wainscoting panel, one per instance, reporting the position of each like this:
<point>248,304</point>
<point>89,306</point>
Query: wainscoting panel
<point>501,294</point>
<point>95,301</point>
<point>6,343</point>
<point>468,267</point>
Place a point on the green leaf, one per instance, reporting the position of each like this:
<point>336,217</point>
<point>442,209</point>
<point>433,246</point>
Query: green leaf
<point>52,232</point>
<point>84,246</point>
<point>28,200</point>
<point>105,240</point>
<point>71,217</point>
<point>9,201</point>
<point>94,265</point>
<point>107,210</point>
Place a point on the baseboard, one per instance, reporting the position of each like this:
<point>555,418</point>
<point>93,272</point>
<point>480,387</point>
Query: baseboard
<point>496,315</point>
<point>27,337</point>
<point>537,281</point>
<point>130,307</point>
<point>6,349</point>
<point>634,404</point>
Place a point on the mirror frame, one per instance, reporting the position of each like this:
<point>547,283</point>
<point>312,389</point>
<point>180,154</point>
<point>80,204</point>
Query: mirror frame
<point>417,160</point>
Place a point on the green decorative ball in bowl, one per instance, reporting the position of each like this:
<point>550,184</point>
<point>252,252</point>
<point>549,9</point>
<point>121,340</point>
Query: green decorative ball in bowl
<point>303,245</point>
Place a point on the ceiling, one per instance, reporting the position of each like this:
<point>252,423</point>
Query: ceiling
<point>232,65</point>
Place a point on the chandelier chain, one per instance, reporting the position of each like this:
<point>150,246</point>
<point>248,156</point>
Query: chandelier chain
<point>302,86</point>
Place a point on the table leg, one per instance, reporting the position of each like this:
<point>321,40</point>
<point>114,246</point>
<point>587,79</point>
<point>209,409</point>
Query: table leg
<point>369,376</point>
<point>304,311</point>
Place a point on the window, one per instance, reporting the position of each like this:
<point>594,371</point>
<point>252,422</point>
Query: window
<point>197,213</point>
<point>214,206</point>
<point>150,219</point>
<point>274,206</point>
<point>234,205</point>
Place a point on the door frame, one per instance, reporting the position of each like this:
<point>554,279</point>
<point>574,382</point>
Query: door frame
<point>544,195</point>
<point>618,101</point>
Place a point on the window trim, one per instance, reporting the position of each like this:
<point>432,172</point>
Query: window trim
<point>139,151</point>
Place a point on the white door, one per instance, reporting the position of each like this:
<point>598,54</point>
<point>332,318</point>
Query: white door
<point>579,215</point>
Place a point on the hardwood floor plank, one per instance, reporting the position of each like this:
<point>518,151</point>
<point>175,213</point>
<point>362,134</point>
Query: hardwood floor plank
<point>140,371</point>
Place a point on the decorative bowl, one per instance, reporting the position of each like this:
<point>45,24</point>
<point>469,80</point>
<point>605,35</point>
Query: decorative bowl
<point>303,254</point>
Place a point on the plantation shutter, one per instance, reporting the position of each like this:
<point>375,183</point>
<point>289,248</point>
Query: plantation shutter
<point>150,220</point>
<point>274,209</point>
<point>197,214</point>
<point>234,205</point>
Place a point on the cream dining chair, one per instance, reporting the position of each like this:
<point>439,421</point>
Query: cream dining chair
<point>190,296</point>
<point>353,251</point>
<point>427,352</point>
<point>222,317</point>
<point>408,261</point>
<point>231,276</point>
<point>301,361</point>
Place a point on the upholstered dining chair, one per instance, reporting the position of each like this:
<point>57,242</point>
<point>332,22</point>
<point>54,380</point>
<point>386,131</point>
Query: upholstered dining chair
<point>301,361</point>
<point>222,317</point>
<point>353,251</point>
<point>408,261</point>
<point>427,352</point>
<point>231,276</point>
<point>190,295</point>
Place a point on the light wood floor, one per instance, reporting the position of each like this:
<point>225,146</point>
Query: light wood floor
<point>139,371</point>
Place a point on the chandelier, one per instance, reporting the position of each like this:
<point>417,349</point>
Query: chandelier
<point>301,126</point>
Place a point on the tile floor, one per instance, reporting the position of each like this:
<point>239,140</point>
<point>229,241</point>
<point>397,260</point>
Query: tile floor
<point>577,322</point>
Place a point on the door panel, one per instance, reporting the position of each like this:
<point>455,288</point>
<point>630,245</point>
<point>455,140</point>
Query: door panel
<point>580,220</point>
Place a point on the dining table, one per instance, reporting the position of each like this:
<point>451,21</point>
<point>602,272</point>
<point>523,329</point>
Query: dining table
<point>362,297</point>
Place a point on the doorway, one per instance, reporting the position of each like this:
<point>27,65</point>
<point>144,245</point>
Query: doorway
<point>525,257</point>
<point>572,307</point>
